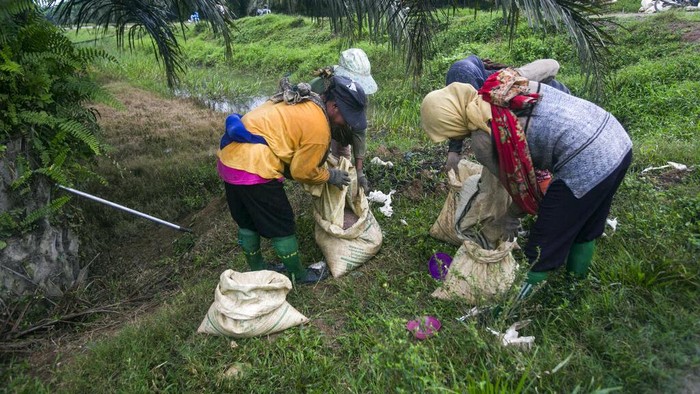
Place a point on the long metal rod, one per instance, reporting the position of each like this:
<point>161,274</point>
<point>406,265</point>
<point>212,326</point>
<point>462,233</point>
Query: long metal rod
<point>125,209</point>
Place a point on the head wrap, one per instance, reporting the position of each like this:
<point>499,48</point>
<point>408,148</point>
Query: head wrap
<point>506,90</point>
<point>454,112</point>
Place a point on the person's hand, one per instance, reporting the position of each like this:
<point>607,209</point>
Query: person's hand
<point>338,178</point>
<point>509,225</point>
<point>452,162</point>
<point>362,182</point>
<point>491,65</point>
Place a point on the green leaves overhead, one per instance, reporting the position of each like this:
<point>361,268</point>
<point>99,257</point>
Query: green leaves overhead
<point>580,20</point>
<point>136,19</point>
<point>411,25</point>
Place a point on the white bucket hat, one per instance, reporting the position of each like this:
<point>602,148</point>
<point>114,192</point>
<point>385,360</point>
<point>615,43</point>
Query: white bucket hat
<point>354,64</point>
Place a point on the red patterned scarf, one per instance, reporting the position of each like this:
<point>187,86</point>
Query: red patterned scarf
<point>506,90</point>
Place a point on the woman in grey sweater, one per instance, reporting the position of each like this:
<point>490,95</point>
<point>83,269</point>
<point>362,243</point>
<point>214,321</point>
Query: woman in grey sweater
<point>584,146</point>
<point>473,71</point>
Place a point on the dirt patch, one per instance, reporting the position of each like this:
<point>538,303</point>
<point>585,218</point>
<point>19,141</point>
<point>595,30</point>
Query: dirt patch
<point>690,31</point>
<point>387,153</point>
<point>667,178</point>
<point>130,273</point>
<point>691,383</point>
<point>414,191</point>
<point>415,173</point>
<point>330,331</point>
<point>62,345</point>
<point>672,177</point>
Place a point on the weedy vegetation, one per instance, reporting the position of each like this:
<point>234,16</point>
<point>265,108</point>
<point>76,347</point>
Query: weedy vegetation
<point>632,326</point>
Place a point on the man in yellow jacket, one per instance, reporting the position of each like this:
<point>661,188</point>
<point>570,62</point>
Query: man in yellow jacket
<point>278,139</point>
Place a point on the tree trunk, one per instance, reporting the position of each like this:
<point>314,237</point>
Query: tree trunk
<point>44,258</point>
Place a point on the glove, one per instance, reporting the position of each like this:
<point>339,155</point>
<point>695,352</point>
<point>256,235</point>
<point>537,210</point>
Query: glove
<point>362,182</point>
<point>509,224</point>
<point>338,178</point>
<point>452,162</point>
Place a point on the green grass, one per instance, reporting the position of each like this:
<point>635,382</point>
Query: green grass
<point>633,325</point>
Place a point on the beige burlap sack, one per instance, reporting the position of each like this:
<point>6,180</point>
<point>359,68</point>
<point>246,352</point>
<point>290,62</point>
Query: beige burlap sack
<point>444,227</point>
<point>481,201</point>
<point>249,304</point>
<point>346,231</point>
<point>478,275</point>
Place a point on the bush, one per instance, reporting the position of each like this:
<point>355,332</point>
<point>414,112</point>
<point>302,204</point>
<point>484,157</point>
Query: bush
<point>44,86</point>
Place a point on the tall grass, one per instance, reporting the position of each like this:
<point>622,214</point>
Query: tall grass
<point>632,326</point>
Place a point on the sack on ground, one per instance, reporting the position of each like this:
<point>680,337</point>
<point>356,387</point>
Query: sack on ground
<point>346,231</point>
<point>478,275</point>
<point>249,304</point>
<point>444,227</point>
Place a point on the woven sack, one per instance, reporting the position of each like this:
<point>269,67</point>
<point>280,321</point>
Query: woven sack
<point>249,304</point>
<point>345,245</point>
<point>478,275</point>
<point>444,227</point>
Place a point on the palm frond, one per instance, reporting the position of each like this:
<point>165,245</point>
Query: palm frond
<point>579,20</point>
<point>411,25</point>
<point>421,20</point>
<point>135,19</point>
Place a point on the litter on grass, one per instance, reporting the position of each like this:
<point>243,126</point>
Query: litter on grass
<point>475,311</point>
<point>438,265</point>
<point>424,327</point>
<point>237,370</point>
<point>381,198</point>
<point>675,166</point>
<point>381,162</point>
<point>512,338</point>
<point>612,223</point>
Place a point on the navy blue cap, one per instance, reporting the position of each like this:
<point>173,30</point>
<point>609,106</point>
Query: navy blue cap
<point>351,100</point>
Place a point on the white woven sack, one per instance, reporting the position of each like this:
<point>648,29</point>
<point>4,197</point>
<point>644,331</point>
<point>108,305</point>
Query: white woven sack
<point>479,275</point>
<point>249,304</point>
<point>480,202</point>
<point>444,227</point>
<point>345,249</point>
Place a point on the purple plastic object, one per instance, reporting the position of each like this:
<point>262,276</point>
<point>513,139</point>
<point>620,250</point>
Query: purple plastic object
<point>424,327</point>
<point>438,265</point>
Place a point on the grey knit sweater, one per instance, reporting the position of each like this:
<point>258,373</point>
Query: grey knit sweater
<point>578,141</point>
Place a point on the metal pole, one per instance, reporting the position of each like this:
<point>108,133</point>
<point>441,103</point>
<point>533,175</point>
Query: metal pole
<point>123,208</point>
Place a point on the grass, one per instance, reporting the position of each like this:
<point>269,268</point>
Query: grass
<point>632,326</point>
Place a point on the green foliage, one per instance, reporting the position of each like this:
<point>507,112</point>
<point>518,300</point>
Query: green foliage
<point>632,326</point>
<point>623,6</point>
<point>21,220</point>
<point>16,382</point>
<point>654,96</point>
<point>45,86</point>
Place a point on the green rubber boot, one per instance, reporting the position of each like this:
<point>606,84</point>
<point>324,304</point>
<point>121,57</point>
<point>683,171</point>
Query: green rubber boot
<point>579,260</point>
<point>249,241</point>
<point>532,280</point>
<point>509,310</point>
<point>287,249</point>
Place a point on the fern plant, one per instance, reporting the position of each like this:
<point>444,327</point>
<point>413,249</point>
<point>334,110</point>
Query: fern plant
<point>45,90</point>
